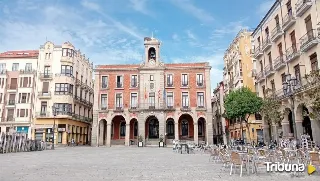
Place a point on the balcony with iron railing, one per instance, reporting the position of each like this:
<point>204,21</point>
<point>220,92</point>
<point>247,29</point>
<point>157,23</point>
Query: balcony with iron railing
<point>11,102</point>
<point>119,85</point>
<point>169,84</point>
<point>42,114</point>
<point>302,6</point>
<point>185,108</point>
<point>309,40</point>
<point>266,44</point>
<point>3,72</point>
<point>258,52</point>
<point>276,33</point>
<point>200,84</point>
<point>44,95</point>
<point>9,119</point>
<point>288,20</point>
<point>260,76</point>
<point>46,76</point>
<point>279,63</point>
<point>292,53</point>
<point>118,108</point>
<point>269,70</point>
<point>27,71</point>
<point>184,84</point>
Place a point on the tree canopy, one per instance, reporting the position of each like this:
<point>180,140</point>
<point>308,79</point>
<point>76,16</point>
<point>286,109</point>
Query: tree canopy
<point>270,110</point>
<point>242,103</point>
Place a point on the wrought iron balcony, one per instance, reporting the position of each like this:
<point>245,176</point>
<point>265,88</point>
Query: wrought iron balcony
<point>266,43</point>
<point>118,108</point>
<point>279,63</point>
<point>288,20</point>
<point>269,70</point>
<point>27,71</point>
<point>302,6</point>
<point>3,72</point>
<point>260,76</point>
<point>309,40</point>
<point>11,102</point>
<point>292,53</point>
<point>276,33</point>
<point>46,76</point>
<point>42,114</point>
<point>257,52</point>
<point>184,84</point>
<point>119,85</point>
<point>44,94</point>
<point>169,84</point>
<point>185,108</point>
<point>200,84</point>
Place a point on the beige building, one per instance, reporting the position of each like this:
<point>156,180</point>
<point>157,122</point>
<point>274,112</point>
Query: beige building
<point>286,49</point>
<point>237,73</point>
<point>17,82</point>
<point>218,121</point>
<point>64,94</point>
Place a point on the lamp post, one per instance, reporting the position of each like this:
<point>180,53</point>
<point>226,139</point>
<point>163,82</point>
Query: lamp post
<point>288,88</point>
<point>54,111</point>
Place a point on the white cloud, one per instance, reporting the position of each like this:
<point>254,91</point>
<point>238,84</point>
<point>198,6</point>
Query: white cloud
<point>264,7</point>
<point>103,40</point>
<point>197,12</point>
<point>231,28</point>
<point>191,35</point>
<point>90,5</point>
<point>175,37</point>
<point>141,6</point>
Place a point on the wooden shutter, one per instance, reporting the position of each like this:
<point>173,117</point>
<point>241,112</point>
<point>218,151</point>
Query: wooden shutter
<point>45,87</point>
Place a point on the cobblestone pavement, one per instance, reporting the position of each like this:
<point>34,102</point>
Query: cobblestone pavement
<point>120,163</point>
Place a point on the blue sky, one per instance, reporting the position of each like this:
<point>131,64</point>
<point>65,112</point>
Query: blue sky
<point>112,31</point>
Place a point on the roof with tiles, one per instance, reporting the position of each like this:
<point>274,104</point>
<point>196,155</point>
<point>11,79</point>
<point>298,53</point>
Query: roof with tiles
<point>20,54</point>
<point>137,65</point>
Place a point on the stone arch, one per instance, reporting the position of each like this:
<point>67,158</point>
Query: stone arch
<point>150,116</point>
<point>287,123</point>
<point>152,127</point>
<point>134,128</point>
<point>202,128</point>
<point>116,123</point>
<point>102,132</point>
<point>170,128</point>
<point>303,122</point>
<point>186,127</point>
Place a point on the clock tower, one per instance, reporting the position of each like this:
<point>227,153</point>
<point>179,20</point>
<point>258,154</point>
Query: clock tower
<point>152,51</point>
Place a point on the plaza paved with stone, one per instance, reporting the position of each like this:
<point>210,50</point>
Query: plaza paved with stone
<point>119,163</point>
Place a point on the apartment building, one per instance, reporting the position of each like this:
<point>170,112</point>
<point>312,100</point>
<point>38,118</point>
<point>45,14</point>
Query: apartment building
<point>219,123</point>
<point>152,100</point>
<point>64,94</point>
<point>286,49</point>
<point>237,72</point>
<point>17,81</point>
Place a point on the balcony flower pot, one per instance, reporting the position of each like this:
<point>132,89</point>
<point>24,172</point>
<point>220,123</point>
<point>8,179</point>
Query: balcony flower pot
<point>140,141</point>
<point>161,142</point>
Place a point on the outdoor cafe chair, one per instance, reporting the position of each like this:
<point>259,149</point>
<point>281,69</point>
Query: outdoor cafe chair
<point>236,161</point>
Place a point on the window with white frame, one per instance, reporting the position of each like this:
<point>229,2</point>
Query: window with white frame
<point>169,80</point>
<point>170,99</point>
<point>104,101</point>
<point>185,99</point>
<point>152,100</point>
<point>200,99</point>
<point>15,66</point>
<point>200,80</point>
<point>134,100</point>
<point>134,80</point>
<point>2,67</point>
<point>104,82</point>
<point>184,80</point>
<point>118,100</point>
<point>119,81</point>
<point>28,67</point>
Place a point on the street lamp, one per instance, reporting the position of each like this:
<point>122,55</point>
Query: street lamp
<point>288,88</point>
<point>54,111</point>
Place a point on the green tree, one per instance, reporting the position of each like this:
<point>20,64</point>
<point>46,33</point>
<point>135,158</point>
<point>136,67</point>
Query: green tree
<point>271,111</point>
<point>242,103</point>
<point>313,93</point>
